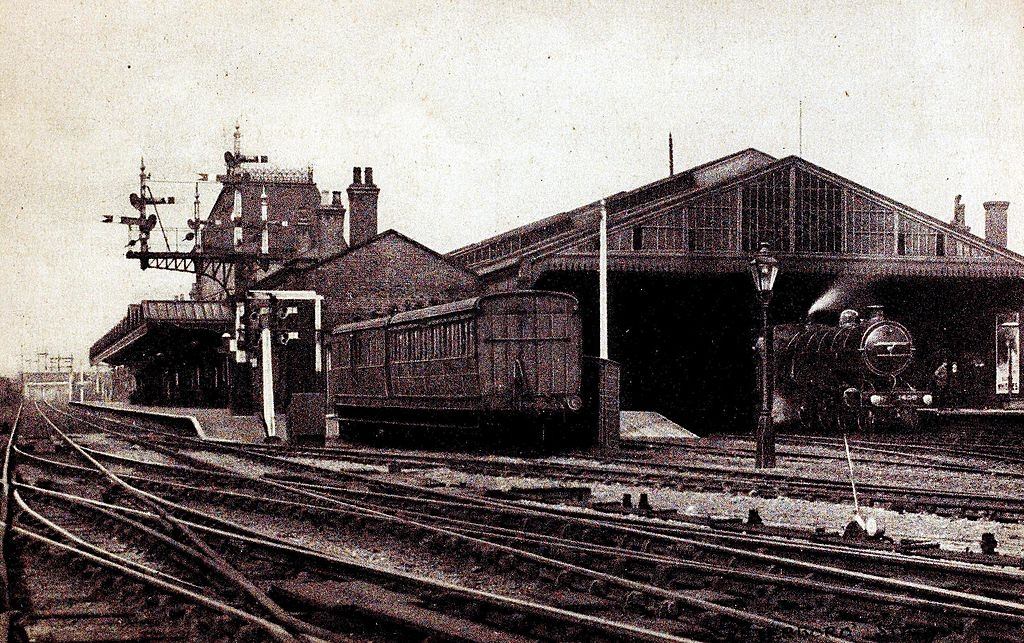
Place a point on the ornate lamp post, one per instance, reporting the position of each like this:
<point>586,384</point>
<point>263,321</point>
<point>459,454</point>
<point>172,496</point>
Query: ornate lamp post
<point>764,268</point>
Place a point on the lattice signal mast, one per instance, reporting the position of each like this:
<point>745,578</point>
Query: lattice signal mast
<point>228,267</point>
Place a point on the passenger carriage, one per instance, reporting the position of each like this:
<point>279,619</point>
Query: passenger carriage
<point>506,362</point>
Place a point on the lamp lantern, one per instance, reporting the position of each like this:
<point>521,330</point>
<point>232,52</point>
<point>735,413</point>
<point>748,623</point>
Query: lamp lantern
<point>764,268</point>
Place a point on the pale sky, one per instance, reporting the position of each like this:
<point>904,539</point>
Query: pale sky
<point>476,116</point>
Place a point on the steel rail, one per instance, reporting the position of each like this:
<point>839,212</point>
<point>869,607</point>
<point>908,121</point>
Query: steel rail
<point>108,562</point>
<point>158,499</point>
<point>81,543</point>
<point>949,594</point>
<point>694,602</point>
<point>7,614</point>
<point>252,537</point>
<point>754,541</point>
<point>923,494</point>
<point>208,556</point>
<point>893,558</point>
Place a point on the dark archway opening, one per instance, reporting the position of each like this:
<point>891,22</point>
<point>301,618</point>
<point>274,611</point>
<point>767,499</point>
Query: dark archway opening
<point>685,342</point>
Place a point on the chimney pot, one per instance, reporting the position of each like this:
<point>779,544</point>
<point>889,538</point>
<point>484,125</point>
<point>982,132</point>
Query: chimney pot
<point>336,197</point>
<point>996,222</point>
<point>357,176</point>
<point>362,202</point>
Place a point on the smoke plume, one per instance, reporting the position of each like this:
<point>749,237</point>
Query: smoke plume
<point>847,291</point>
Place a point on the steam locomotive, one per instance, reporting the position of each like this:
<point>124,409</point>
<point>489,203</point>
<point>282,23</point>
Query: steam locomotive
<point>850,376</point>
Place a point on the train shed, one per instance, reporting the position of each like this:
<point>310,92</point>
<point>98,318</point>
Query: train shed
<point>682,308</point>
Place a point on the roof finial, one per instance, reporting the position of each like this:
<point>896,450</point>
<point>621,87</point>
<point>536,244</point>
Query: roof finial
<point>671,159</point>
<point>238,139</point>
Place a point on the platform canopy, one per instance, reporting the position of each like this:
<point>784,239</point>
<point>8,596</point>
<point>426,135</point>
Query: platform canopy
<point>151,326</point>
<point>711,218</point>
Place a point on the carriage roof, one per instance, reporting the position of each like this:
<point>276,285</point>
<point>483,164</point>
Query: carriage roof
<point>441,310</point>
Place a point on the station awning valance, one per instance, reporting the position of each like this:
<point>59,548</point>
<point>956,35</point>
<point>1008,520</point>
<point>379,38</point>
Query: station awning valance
<point>144,317</point>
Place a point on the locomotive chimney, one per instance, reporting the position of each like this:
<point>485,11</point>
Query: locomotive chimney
<point>362,202</point>
<point>995,222</point>
<point>876,312</point>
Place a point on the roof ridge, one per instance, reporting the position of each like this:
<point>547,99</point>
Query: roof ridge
<point>579,210</point>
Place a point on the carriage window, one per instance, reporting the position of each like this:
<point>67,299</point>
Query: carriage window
<point>341,352</point>
<point>439,341</point>
<point>368,348</point>
<point>545,326</point>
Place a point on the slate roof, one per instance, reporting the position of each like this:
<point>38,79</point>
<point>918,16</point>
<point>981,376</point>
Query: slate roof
<point>543,244</point>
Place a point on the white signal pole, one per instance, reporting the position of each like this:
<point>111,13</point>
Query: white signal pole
<point>236,217</point>
<point>265,235</point>
<point>602,280</point>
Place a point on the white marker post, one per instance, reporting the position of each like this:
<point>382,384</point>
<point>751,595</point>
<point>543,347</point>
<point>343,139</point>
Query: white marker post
<point>602,281</point>
<point>236,217</point>
<point>264,217</point>
<point>266,362</point>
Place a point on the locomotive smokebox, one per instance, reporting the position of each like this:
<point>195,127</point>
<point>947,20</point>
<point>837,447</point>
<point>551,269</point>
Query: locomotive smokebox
<point>876,312</point>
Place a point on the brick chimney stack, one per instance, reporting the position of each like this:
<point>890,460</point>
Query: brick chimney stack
<point>331,236</point>
<point>362,203</point>
<point>995,222</point>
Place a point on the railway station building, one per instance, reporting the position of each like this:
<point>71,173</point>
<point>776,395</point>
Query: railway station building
<point>682,308</point>
<point>174,353</point>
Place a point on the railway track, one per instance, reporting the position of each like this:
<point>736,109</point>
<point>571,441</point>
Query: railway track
<point>997,452</point>
<point>861,454</point>
<point>663,556</point>
<point>650,602</point>
<point>309,614</point>
<point>685,477</point>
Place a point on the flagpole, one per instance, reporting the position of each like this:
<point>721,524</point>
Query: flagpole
<point>602,280</point>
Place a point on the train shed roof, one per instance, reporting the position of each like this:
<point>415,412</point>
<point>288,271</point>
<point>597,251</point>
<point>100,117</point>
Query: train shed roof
<point>709,218</point>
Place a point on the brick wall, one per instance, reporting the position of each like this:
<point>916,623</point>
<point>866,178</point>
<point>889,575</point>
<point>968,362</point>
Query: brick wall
<point>390,273</point>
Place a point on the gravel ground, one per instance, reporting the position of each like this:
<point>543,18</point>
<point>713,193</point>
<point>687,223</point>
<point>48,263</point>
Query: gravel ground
<point>953,534</point>
<point>395,553</point>
<point>339,465</point>
<point>237,465</point>
<point>115,446</point>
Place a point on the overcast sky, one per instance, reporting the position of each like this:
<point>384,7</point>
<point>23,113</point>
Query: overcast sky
<point>475,116</point>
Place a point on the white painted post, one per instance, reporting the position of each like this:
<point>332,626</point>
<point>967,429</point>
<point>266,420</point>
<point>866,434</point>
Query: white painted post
<point>240,356</point>
<point>317,334</point>
<point>265,240</point>
<point>268,383</point>
<point>236,217</point>
<point>602,280</point>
